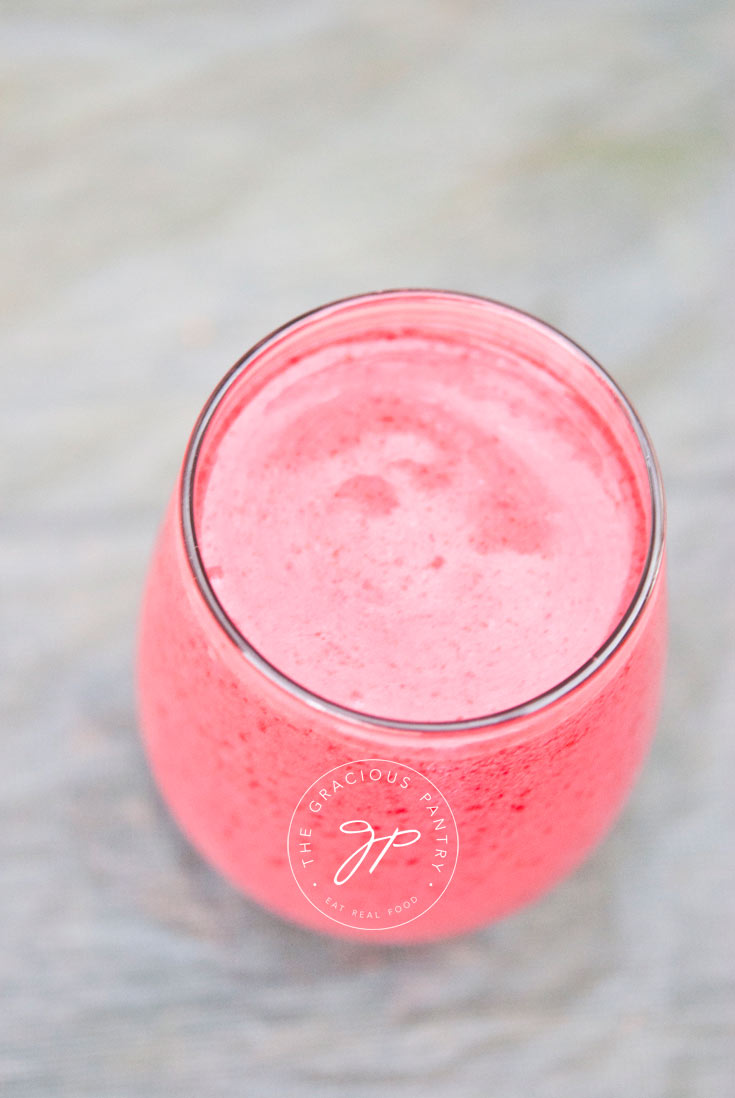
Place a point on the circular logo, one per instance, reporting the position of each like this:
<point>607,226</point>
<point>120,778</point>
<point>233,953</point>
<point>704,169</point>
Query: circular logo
<point>372,844</point>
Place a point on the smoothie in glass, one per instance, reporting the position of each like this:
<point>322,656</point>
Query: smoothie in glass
<point>403,635</point>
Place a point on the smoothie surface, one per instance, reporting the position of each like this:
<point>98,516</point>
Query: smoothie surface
<point>418,529</point>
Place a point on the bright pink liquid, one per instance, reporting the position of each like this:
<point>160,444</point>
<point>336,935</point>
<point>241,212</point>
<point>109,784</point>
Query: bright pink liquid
<point>426,508</point>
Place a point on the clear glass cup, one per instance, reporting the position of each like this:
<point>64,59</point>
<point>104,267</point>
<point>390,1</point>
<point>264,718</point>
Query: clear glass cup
<point>372,826</point>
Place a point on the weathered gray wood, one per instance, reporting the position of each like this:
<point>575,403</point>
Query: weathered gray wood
<point>178,178</point>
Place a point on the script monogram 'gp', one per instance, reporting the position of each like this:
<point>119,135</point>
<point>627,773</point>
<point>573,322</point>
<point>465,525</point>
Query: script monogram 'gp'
<point>361,827</point>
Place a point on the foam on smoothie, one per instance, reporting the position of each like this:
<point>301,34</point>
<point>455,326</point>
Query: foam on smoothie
<point>419,529</point>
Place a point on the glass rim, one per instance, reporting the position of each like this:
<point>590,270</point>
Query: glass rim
<point>318,702</point>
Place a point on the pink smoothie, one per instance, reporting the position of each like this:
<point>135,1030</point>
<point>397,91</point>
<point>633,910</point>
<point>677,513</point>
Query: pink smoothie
<point>417,529</point>
<point>425,508</point>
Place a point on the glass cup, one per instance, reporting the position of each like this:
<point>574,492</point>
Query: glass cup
<point>383,827</point>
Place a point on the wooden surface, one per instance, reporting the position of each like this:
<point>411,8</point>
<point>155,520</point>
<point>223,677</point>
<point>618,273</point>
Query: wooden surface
<point>177,179</point>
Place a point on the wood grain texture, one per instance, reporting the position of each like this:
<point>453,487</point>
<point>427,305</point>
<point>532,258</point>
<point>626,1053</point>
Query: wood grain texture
<point>177,179</point>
